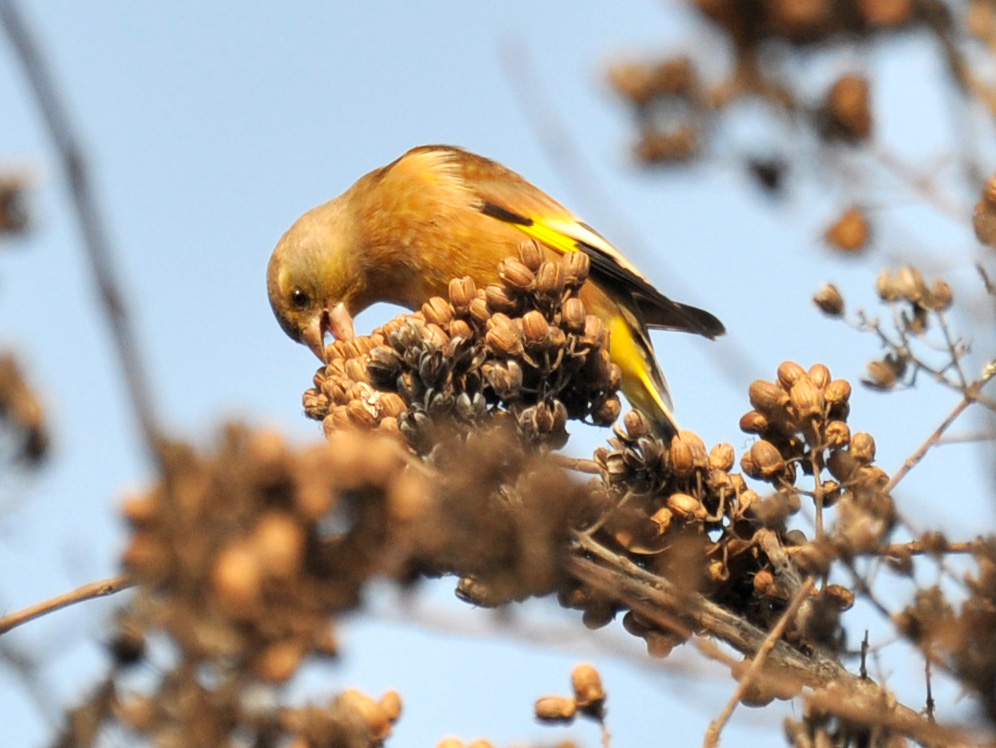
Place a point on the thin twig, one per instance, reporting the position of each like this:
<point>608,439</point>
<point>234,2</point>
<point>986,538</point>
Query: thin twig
<point>972,395</point>
<point>756,665</point>
<point>919,454</point>
<point>89,591</point>
<point>89,216</point>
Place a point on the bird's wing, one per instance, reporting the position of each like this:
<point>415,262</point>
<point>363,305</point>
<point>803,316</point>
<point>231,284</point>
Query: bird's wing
<point>504,195</point>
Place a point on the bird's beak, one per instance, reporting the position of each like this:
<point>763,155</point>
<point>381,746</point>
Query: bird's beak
<point>313,334</point>
<point>338,322</point>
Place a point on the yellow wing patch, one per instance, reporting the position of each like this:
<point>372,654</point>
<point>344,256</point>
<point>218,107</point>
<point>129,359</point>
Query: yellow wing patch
<point>550,236</point>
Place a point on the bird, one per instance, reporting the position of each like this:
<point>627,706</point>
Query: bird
<point>403,231</point>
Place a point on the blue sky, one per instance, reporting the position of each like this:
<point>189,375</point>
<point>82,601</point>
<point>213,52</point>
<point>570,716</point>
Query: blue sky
<point>211,127</point>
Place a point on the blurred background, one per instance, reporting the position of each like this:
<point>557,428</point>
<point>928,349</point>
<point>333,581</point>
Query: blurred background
<point>210,127</point>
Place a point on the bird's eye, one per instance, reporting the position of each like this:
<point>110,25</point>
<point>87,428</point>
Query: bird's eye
<point>299,298</point>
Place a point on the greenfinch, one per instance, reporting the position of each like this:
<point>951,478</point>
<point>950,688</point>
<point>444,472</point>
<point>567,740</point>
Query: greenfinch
<point>402,232</point>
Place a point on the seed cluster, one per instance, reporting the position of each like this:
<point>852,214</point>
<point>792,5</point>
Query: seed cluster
<point>21,411</point>
<point>676,107</point>
<point>523,350</point>
<point>588,699</point>
<point>243,557</point>
<point>801,419</point>
<point>914,302</point>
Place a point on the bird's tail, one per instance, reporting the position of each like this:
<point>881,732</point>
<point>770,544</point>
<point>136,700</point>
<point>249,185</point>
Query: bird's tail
<point>643,382</point>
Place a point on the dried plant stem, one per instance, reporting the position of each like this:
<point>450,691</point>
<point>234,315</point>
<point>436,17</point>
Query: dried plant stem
<point>577,464</point>
<point>756,665</point>
<point>89,216</point>
<point>689,613</point>
<point>915,548</point>
<point>87,592</point>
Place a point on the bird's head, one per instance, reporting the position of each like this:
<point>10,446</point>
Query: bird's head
<point>309,279</point>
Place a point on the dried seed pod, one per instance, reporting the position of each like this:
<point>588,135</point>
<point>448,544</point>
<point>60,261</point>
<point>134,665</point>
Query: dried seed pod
<point>693,440</point>
<point>479,310</point>
<point>141,509</point>
<point>459,328</point>
<point>764,583</point>
<point>662,519</point>
<point>885,285</point>
<point>841,597</point>
<point>847,109</point>
<point>278,543</point>
<point>362,413</point>
<point>984,218</point>
<point>795,538</point>
<point>557,337</point>
<point>806,399</point>
<point>837,434</point>
<point>390,702</point>
<point>516,275</point>
<point>594,331</point>
<point>637,425</point>
<point>753,422</point>
<point>535,329</point>
<point>766,397</point>
<point>940,297</point>
<point>384,365</point>
<point>531,254</point>
<point>748,466</point>
<point>641,83</point>
<point>606,413</point>
<point>576,267</point>
<point>436,335</point>
<point>356,369</point>
<point>682,461</point>
<point>820,375</point>
<point>437,310</point>
<point>279,661</point>
<point>599,367</point>
<point>767,459</point>
<point>676,145</point>
<point>573,314</point>
<point>550,279</point>
<point>503,335</point>
<point>862,447</point>
<point>237,580</point>
<point>842,465</point>
<point>722,457</point>
<point>499,299</point>
<point>369,712</point>
<point>717,571</point>
<point>910,285</point>
<point>686,506</point>
<point>789,372</point>
<point>837,392</point>
<point>542,418</point>
<point>850,232</point>
<point>555,709</point>
<point>829,300</point>
<point>462,292</point>
<point>392,405</point>
<point>588,691</point>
